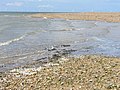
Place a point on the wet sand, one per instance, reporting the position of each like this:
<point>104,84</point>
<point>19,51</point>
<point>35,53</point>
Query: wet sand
<point>84,73</point>
<point>99,16</point>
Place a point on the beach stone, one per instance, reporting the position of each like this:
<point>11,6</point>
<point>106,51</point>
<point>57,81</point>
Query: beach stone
<point>41,58</point>
<point>65,45</point>
<point>52,48</point>
<point>56,56</point>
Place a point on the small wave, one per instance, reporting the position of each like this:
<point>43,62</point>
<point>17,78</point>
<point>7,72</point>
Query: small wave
<point>11,41</point>
<point>35,32</point>
<point>12,15</point>
<point>98,39</point>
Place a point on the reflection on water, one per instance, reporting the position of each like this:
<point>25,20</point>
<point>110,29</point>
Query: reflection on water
<point>24,39</point>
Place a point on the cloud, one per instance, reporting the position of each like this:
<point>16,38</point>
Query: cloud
<point>45,6</point>
<point>35,0</point>
<point>18,4</point>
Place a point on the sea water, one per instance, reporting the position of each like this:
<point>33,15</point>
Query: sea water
<point>24,39</point>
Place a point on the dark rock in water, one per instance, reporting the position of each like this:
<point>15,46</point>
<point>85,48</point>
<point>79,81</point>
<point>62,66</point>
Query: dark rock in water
<point>72,50</point>
<point>65,45</point>
<point>52,48</point>
<point>65,52</point>
<point>41,58</point>
<point>58,52</point>
<point>45,48</point>
<point>1,66</point>
<point>56,56</point>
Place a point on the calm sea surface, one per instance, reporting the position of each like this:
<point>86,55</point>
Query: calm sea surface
<point>24,39</point>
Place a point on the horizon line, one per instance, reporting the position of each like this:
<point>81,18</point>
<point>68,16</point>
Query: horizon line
<point>54,12</point>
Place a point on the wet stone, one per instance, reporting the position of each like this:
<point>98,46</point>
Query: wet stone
<point>52,48</point>
<point>65,45</point>
<point>56,56</point>
<point>41,58</point>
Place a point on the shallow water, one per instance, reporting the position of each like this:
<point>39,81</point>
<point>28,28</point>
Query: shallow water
<point>24,40</point>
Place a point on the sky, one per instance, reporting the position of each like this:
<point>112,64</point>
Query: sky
<point>60,5</point>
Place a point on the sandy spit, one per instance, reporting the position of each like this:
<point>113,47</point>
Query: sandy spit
<point>99,16</point>
<point>89,72</point>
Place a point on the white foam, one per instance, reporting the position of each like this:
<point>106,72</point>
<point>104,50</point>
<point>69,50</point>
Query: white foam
<point>11,16</point>
<point>45,17</point>
<point>26,71</point>
<point>98,39</point>
<point>11,41</point>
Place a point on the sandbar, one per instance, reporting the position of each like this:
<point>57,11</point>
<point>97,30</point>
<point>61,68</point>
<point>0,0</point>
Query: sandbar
<point>98,16</point>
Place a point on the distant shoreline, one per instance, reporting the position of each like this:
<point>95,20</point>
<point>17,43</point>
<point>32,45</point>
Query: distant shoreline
<point>97,16</point>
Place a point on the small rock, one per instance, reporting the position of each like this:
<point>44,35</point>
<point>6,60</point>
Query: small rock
<point>65,45</point>
<point>41,58</point>
<point>56,56</point>
<point>62,83</point>
<point>52,48</point>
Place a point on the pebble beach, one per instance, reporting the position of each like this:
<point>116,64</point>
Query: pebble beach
<point>88,72</point>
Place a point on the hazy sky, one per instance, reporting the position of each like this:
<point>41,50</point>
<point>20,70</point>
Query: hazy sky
<point>60,5</point>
